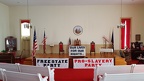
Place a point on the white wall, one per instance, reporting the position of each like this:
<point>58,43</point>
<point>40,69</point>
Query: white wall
<point>97,21</point>
<point>4,25</point>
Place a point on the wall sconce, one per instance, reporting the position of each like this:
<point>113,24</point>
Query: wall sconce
<point>122,25</point>
<point>28,25</point>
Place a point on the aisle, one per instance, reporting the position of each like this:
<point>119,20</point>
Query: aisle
<point>74,74</point>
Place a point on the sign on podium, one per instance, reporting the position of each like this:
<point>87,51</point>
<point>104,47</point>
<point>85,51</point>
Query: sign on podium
<point>77,51</point>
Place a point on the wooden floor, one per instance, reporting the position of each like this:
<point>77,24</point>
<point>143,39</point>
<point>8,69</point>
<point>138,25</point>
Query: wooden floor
<point>118,59</point>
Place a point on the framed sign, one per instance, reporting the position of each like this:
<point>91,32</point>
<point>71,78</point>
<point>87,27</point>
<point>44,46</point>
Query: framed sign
<point>53,62</point>
<point>77,30</point>
<point>77,51</point>
<point>92,62</point>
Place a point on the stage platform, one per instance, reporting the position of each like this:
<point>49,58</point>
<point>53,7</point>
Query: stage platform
<point>117,59</point>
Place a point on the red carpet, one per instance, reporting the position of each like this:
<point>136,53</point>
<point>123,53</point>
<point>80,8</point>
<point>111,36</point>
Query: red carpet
<point>77,74</point>
<point>21,62</point>
<point>134,61</point>
<point>74,74</point>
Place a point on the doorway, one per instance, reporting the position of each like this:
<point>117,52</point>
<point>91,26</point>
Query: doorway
<point>25,38</point>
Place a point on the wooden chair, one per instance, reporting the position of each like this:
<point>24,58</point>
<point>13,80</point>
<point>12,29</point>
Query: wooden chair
<point>92,47</point>
<point>61,48</point>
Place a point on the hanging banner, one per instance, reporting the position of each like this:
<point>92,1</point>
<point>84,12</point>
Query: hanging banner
<point>53,62</point>
<point>77,51</point>
<point>92,62</point>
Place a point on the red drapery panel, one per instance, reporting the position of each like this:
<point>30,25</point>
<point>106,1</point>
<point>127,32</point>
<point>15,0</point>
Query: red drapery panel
<point>125,33</point>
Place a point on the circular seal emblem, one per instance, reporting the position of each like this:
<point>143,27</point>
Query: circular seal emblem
<point>77,30</point>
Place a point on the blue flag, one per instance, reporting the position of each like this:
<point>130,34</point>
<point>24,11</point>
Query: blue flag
<point>112,38</point>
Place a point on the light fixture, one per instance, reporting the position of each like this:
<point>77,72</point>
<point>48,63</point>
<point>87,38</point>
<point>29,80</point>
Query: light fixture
<point>28,25</point>
<point>122,25</point>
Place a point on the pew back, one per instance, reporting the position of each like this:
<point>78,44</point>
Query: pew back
<point>2,78</point>
<point>34,69</point>
<point>123,77</point>
<point>9,67</point>
<point>100,70</point>
<point>44,71</point>
<point>138,69</point>
<point>18,76</point>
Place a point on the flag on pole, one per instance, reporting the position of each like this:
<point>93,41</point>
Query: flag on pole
<point>69,41</point>
<point>44,43</point>
<point>112,40</point>
<point>34,44</point>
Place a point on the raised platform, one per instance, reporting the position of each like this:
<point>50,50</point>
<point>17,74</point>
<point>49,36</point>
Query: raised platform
<point>118,59</point>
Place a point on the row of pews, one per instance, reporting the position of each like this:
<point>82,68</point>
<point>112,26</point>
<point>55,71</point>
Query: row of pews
<point>119,73</point>
<point>19,72</point>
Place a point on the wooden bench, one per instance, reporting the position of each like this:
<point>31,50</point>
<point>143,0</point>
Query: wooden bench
<point>122,77</point>
<point>44,71</point>
<point>138,68</point>
<point>9,66</point>
<point>100,70</point>
<point>19,76</point>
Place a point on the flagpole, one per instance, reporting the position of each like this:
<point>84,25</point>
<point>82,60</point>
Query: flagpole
<point>69,43</point>
<point>34,47</point>
<point>112,39</point>
<point>44,42</point>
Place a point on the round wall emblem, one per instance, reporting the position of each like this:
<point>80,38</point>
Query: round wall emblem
<point>77,30</point>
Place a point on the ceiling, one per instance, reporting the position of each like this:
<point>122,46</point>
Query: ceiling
<point>68,2</point>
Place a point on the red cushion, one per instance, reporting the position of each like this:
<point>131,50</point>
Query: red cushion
<point>93,47</point>
<point>61,47</point>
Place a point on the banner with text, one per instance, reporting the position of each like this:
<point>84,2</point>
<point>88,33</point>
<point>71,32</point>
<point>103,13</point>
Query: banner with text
<point>92,62</point>
<point>77,51</point>
<point>53,62</point>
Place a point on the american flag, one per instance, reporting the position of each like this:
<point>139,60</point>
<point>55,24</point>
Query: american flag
<point>44,43</point>
<point>34,44</point>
